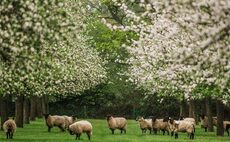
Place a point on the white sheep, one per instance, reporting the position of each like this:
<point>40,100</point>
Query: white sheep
<point>116,123</point>
<point>181,126</point>
<point>80,127</point>
<point>9,128</point>
<point>55,120</point>
<point>69,120</point>
<point>145,124</point>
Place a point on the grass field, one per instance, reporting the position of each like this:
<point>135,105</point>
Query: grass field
<point>37,132</point>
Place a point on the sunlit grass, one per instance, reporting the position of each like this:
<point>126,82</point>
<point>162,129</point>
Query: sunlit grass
<point>37,132</point>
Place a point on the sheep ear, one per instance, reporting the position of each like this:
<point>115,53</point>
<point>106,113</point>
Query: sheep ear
<point>13,118</point>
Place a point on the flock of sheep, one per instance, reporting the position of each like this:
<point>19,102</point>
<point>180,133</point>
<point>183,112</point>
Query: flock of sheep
<point>152,124</point>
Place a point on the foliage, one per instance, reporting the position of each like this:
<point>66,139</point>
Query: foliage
<point>181,45</point>
<point>67,66</point>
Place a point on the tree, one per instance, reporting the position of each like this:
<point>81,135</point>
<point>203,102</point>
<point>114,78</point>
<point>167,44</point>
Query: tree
<point>181,44</point>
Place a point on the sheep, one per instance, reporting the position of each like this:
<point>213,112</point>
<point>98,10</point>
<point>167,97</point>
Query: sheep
<point>55,120</point>
<point>69,120</point>
<point>9,128</point>
<point>116,123</point>
<point>226,124</point>
<point>145,124</point>
<point>188,119</point>
<point>181,126</point>
<point>160,124</point>
<point>80,127</point>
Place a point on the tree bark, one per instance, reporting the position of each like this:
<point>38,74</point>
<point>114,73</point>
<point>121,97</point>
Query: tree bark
<point>39,107</point>
<point>19,111</point>
<point>4,109</point>
<point>45,105</point>
<point>26,107</point>
<point>209,113</point>
<point>191,109</point>
<point>183,110</point>
<point>33,108</point>
<point>220,118</point>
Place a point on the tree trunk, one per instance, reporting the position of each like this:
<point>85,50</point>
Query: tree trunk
<point>4,109</point>
<point>45,105</point>
<point>183,109</point>
<point>19,111</point>
<point>26,111</point>
<point>33,108</point>
<point>39,107</point>
<point>191,109</point>
<point>209,113</point>
<point>220,118</point>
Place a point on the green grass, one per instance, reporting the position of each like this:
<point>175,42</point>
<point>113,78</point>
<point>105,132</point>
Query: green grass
<point>37,132</point>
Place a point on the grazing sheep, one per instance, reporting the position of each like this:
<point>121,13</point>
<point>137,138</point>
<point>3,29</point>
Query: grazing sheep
<point>69,120</point>
<point>116,123</point>
<point>226,124</point>
<point>80,127</point>
<point>145,124</point>
<point>55,120</point>
<point>9,128</point>
<point>204,122</point>
<point>160,124</point>
<point>181,126</point>
<point>188,119</point>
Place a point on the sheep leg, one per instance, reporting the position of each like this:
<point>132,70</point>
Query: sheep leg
<point>7,135</point>
<point>125,131</point>
<point>172,133</point>
<point>88,134</point>
<point>176,135</point>
<point>112,131</point>
<point>121,131</point>
<point>76,136</point>
<point>163,132</point>
<point>150,132</point>
<point>79,136</point>
<point>192,136</point>
<point>205,129</point>
<point>168,132</point>
<point>11,136</point>
<point>49,129</point>
<point>227,131</point>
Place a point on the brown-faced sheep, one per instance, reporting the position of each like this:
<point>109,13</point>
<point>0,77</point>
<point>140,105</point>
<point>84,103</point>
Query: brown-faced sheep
<point>55,120</point>
<point>145,124</point>
<point>181,126</point>
<point>9,128</point>
<point>160,124</point>
<point>116,123</point>
<point>69,120</point>
<point>80,127</point>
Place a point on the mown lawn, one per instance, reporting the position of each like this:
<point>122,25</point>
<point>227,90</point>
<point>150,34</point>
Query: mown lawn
<point>37,132</point>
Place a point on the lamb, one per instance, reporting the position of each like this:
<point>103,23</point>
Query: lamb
<point>55,120</point>
<point>80,127</point>
<point>69,120</point>
<point>145,124</point>
<point>116,123</point>
<point>181,126</point>
<point>160,124</point>
<point>9,128</point>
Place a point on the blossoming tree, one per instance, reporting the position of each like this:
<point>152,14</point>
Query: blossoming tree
<point>181,44</point>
